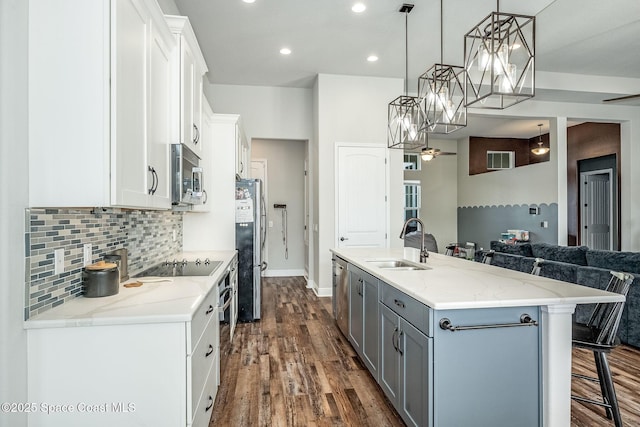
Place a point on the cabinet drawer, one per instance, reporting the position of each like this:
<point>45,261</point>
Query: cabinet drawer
<point>201,317</point>
<point>201,362</point>
<point>412,310</point>
<point>202,413</point>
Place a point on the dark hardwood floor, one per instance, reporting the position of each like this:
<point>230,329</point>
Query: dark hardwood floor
<point>295,368</point>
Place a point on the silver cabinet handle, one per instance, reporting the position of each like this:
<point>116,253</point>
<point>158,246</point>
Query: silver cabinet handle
<point>210,352</point>
<point>400,334</point>
<point>399,303</point>
<point>196,138</point>
<point>208,408</point>
<point>393,339</point>
<point>342,239</point>
<point>209,310</point>
<point>154,180</point>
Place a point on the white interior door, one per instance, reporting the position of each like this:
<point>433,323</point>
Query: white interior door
<point>597,209</point>
<point>361,196</point>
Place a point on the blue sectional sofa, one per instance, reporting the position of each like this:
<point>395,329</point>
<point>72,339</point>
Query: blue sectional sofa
<point>581,265</point>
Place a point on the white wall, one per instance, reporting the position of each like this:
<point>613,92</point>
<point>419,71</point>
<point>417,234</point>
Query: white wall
<point>267,112</point>
<point>14,188</point>
<point>285,185</point>
<point>351,109</point>
<point>169,7</point>
<point>439,183</point>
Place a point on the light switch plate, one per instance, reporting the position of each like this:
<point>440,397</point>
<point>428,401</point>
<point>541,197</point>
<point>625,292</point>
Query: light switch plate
<point>86,258</point>
<point>58,261</point>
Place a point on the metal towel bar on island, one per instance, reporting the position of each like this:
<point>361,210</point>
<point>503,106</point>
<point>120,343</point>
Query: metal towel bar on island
<point>525,320</point>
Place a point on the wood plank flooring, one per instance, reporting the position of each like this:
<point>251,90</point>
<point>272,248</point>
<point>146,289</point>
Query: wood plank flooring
<point>295,368</point>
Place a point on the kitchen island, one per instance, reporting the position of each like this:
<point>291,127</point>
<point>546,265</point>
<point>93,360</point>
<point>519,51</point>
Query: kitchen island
<point>464,343</point>
<point>148,355</point>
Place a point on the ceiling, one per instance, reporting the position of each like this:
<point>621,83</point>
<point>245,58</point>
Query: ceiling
<point>241,41</point>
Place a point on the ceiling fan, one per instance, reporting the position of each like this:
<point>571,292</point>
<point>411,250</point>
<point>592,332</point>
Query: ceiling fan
<point>427,154</point>
<point>628,99</point>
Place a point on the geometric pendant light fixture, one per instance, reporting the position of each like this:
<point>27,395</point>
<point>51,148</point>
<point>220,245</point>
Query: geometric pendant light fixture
<point>441,92</point>
<point>499,56</point>
<point>405,116</point>
<point>540,150</point>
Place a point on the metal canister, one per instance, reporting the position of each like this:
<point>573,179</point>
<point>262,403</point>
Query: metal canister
<point>101,279</point>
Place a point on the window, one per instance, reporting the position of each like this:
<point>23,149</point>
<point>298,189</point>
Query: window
<point>411,203</point>
<point>411,161</point>
<point>497,160</point>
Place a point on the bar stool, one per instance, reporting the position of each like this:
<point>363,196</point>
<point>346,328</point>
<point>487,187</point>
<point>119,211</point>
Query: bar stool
<point>599,336</point>
<point>537,266</point>
<point>487,257</point>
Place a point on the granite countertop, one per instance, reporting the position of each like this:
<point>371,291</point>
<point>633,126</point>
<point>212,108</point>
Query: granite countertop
<point>456,283</point>
<point>160,302</point>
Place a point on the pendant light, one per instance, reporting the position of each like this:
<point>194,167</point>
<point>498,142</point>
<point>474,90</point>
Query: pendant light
<point>499,56</point>
<point>405,116</point>
<point>540,150</point>
<point>441,93</point>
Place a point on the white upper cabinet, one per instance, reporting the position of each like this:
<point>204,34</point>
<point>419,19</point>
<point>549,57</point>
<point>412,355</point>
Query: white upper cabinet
<point>206,158</point>
<point>243,153</point>
<point>99,103</point>
<point>190,66</point>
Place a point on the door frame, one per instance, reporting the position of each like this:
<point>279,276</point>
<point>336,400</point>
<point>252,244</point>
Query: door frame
<point>613,218</point>
<point>336,228</point>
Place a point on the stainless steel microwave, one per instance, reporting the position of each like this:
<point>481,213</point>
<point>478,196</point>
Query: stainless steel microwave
<point>186,177</point>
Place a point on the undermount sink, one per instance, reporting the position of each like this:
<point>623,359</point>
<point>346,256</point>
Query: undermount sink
<point>396,265</point>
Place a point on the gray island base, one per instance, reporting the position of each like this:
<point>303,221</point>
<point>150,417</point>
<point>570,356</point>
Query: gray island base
<point>455,342</point>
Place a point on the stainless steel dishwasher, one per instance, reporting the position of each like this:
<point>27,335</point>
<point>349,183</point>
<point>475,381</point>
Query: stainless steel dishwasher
<point>341,294</point>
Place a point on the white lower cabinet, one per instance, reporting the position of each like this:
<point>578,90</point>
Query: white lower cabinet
<point>447,367</point>
<point>153,374</point>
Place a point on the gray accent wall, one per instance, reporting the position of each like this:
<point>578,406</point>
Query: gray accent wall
<point>482,224</point>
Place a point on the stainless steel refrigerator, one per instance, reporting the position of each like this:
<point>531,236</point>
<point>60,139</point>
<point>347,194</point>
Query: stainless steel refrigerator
<point>250,236</point>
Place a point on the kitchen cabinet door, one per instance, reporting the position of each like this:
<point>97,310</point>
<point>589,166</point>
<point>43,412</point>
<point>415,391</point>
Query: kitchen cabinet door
<point>406,368</point>
<point>189,67</point>
<point>356,286</point>
<point>159,130</point>
<point>243,156</point>
<point>141,83</point>
<point>131,180</point>
<point>389,358</point>
<point>206,159</point>
<point>416,372</point>
<point>370,325</point>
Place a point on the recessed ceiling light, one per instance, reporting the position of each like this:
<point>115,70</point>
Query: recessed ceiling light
<point>358,8</point>
<point>249,1</point>
<point>285,51</point>
<point>372,58</point>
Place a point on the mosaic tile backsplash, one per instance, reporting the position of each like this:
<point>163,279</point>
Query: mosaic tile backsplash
<point>148,237</point>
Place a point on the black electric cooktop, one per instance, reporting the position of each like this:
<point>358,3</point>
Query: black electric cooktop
<point>182,268</point>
